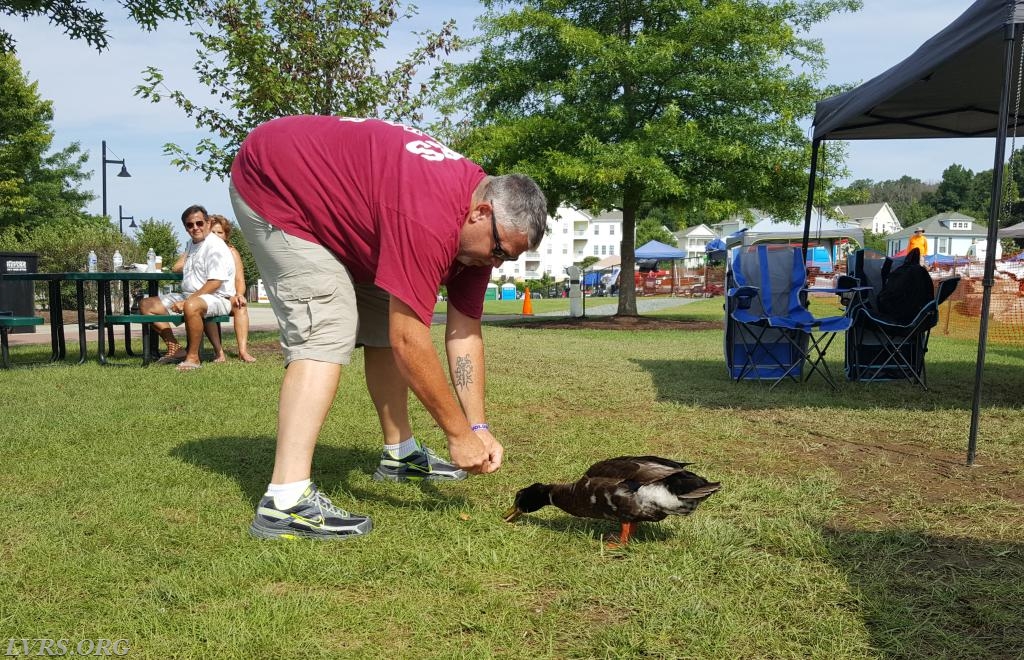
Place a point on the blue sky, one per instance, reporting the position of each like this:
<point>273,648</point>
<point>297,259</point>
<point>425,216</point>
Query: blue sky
<point>93,99</point>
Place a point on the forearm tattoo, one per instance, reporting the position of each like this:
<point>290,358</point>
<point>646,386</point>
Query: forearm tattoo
<point>463,372</point>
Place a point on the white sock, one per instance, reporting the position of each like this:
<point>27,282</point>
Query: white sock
<point>402,449</point>
<point>286,495</point>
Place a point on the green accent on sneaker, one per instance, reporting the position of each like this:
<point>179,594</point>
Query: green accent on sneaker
<point>314,516</point>
<point>421,464</point>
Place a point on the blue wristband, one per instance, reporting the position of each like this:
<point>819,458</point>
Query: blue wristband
<point>480,427</point>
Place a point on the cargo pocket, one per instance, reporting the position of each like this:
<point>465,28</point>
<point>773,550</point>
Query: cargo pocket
<point>301,303</point>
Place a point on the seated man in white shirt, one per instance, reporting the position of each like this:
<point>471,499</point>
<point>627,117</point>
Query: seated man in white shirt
<point>207,285</point>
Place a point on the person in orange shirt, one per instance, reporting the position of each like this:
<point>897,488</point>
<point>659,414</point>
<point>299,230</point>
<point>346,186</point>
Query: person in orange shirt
<point>920,242</point>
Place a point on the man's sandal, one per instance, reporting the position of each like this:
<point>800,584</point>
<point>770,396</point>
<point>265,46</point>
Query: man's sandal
<point>173,355</point>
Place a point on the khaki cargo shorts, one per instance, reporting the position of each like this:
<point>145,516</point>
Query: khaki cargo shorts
<point>322,315</point>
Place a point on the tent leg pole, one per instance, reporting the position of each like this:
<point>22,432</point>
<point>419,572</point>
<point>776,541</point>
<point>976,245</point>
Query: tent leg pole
<point>809,207</point>
<point>993,237</point>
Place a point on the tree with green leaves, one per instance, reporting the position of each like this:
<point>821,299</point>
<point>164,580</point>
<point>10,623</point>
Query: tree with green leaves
<point>908,197</point>
<point>238,241</point>
<point>270,58</point>
<point>831,169</point>
<point>1015,172</point>
<point>877,242</point>
<point>649,229</point>
<point>909,213</point>
<point>955,190</point>
<point>64,245</point>
<point>858,192</point>
<point>80,21</point>
<point>667,217</point>
<point>905,190</point>
<point>159,235</point>
<point>622,103</point>
<point>36,186</point>
<point>542,284</point>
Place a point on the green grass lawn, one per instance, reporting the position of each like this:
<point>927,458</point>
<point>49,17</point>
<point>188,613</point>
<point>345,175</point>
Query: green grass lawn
<point>847,526</point>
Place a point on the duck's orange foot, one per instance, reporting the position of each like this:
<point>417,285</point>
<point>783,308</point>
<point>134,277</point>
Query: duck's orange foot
<point>620,540</point>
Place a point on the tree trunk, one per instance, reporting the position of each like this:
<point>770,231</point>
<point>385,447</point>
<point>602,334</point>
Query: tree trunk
<point>627,287</point>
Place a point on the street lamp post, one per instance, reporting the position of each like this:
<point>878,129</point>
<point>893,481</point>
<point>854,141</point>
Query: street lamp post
<point>122,173</point>
<point>121,217</point>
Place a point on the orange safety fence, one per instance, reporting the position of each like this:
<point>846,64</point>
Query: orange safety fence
<point>692,283</point>
<point>960,317</point>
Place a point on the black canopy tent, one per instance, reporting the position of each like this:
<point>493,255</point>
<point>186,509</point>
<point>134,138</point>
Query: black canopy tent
<point>956,85</point>
<point>1013,231</point>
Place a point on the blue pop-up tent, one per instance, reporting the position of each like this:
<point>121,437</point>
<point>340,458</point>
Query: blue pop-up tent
<point>658,251</point>
<point>945,260</point>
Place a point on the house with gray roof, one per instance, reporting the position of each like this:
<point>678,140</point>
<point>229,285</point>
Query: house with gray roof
<point>948,233</point>
<point>877,218</point>
<point>738,221</point>
<point>693,241</point>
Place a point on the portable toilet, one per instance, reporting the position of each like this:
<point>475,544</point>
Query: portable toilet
<point>508,291</point>
<point>492,291</point>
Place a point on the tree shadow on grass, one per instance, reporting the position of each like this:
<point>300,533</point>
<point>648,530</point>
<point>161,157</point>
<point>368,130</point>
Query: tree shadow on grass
<point>249,461</point>
<point>925,596</point>
<point>951,386</point>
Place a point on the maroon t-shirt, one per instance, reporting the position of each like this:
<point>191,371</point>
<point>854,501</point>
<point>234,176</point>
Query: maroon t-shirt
<point>388,200</point>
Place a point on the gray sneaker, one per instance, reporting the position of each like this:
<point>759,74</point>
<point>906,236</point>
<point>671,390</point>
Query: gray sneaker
<point>421,464</point>
<point>312,517</point>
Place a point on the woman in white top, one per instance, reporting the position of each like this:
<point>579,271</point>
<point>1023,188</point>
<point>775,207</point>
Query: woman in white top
<point>221,226</point>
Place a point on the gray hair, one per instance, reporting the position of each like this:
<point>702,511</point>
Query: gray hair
<point>520,204</point>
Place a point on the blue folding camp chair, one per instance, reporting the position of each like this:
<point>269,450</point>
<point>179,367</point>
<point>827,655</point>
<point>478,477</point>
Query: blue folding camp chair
<point>880,348</point>
<point>770,333</point>
<point>753,349</point>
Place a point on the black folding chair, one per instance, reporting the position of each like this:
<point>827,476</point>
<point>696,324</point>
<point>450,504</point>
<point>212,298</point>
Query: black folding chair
<point>879,348</point>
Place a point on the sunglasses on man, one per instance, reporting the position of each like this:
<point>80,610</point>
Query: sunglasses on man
<point>499,251</point>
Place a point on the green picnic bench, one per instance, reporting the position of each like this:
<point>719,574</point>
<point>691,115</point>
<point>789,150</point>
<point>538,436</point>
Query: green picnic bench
<point>147,321</point>
<point>8,323</point>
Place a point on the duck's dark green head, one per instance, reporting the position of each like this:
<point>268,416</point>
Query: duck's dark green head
<point>528,500</point>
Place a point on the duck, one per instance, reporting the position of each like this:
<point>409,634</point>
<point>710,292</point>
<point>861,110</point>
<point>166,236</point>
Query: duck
<point>628,490</point>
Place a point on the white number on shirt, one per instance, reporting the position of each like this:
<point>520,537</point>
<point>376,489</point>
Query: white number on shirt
<point>427,148</point>
<point>431,150</point>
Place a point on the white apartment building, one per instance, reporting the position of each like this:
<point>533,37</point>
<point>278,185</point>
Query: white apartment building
<point>572,236</point>
<point>693,241</point>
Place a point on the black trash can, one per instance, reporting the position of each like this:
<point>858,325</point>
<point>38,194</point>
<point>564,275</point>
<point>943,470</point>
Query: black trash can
<point>18,298</point>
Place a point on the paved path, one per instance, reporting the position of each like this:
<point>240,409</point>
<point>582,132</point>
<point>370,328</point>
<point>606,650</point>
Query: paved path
<point>262,319</point>
<point>643,306</point>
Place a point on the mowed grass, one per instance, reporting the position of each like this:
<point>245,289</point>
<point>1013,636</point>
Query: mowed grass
<point>847,526</point>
